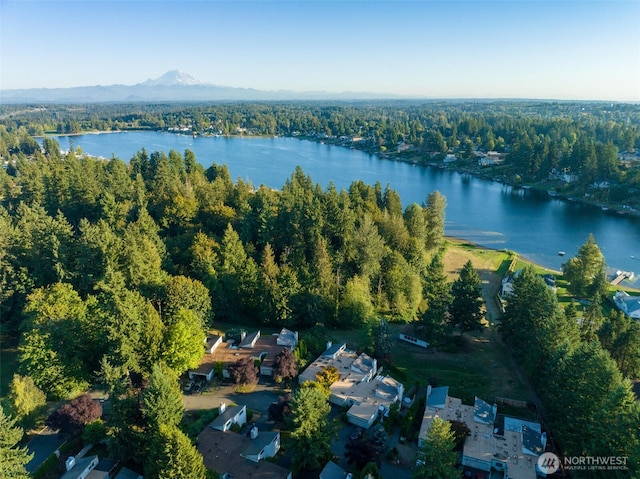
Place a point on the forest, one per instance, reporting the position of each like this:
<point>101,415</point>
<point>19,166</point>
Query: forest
<point>109,268</point>
<point>538,139</point>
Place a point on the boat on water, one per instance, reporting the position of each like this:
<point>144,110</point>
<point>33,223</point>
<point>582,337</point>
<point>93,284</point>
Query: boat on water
<point>561,253</point>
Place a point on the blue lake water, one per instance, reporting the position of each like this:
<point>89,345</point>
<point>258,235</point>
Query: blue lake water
<point>485,212</point>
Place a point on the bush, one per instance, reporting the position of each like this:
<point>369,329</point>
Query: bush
<point>94,432</point>
<point>46,467</point>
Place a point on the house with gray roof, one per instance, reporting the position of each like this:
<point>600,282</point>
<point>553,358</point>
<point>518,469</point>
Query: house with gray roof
<point>229,416</point>
<point>510,450</point>
<point>630,305</point>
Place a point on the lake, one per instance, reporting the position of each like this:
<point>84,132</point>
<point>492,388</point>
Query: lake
<point>485,212</point>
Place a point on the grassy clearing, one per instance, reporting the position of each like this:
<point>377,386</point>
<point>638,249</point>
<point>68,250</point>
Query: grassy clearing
<point>484,368</point>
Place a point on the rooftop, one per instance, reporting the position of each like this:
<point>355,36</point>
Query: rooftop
<point>351,366</point>
<point>228,353</point>
<point>222,453</point>
<point>516,448</point>
<point>228,413</point>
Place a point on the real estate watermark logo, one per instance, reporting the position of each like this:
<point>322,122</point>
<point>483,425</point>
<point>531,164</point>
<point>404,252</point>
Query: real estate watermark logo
<point>549,463</point>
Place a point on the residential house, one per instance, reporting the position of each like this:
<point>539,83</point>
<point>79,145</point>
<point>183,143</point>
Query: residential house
<point>206,368</point>
<point>510,449</point>
<point>126,473</point>
<point>253,345</point>
<point>490,158</point>
<point>229,416</point>
<point>369,396</point>
<point>630,305</point>
<point>233,455</point>
<point>83,468</point>
<point>332,471</point>
<point>409,334</point>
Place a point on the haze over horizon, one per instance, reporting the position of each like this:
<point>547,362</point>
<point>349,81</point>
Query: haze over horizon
<point>566,50</point>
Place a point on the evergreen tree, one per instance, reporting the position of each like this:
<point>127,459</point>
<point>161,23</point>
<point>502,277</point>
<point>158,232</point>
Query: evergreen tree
<point>585,271</point>
<point>434,322</point>
<point>436,457</point>
<point>172,455</point>
<point>434,212</point>
<point>382,341</point>
<point>162,400</point>
<point>466,306</point>
<point>12,459</point>
<point>311,431</point>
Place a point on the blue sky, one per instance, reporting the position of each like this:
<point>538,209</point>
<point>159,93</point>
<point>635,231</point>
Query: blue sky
<point>438,49</point>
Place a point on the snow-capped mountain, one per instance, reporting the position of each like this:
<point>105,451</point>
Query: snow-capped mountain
<point>173,78</point>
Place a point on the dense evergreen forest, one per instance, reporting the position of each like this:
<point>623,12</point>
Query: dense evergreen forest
<point>108,267</point>
<point>595,143</point>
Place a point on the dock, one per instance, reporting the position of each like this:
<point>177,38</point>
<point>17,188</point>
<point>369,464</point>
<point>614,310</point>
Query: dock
<point>621,276</point>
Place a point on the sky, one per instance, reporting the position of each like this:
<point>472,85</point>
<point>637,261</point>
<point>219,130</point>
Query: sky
<point>573,50</point>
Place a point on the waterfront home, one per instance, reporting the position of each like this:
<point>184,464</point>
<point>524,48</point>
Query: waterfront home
<point>630,305</point>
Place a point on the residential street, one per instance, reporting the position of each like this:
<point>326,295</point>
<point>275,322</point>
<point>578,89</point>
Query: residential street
<point>43,445</point>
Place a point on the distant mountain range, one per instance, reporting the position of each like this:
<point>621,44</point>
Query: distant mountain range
<point>174,85</point>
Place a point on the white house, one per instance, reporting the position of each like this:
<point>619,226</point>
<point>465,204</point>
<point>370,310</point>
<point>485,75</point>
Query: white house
<point>229,416</point>
<point>409,335</point>
<point>262,445</point>
<point>630,305</point>
<point>369,396</point>
<point>81,468</point>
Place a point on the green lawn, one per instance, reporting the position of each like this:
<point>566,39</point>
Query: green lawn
<point>483,369</point>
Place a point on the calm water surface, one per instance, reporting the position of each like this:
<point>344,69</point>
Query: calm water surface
<point>486,212</point>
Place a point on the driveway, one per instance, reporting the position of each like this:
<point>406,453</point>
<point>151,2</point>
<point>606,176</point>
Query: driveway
<point>42,446</point>
<point>258,400</point>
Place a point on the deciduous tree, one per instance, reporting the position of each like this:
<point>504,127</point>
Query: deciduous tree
<point>25,396</point>
<point>71,417</point>
<point>284,366</point>
<point>243,372</point>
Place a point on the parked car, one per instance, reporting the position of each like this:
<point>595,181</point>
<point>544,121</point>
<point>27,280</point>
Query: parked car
<point>188,387</point>
<point>356,433</point>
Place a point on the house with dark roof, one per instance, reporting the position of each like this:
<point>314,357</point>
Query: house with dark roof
<point>233,455</point>
<point>332,471</point>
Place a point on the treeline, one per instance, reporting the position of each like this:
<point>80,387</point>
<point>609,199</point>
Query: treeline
<point>577,364</point>
<point>538,137</point>
<point>127,264</point>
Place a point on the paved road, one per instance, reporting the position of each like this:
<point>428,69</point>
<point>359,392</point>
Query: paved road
<point>43,445</point>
